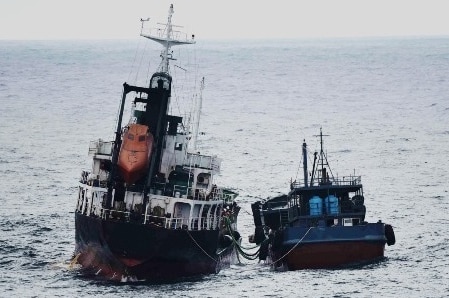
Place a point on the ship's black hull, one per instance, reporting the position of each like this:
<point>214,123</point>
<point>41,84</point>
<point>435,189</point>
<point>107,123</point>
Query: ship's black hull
<point>121,250</point>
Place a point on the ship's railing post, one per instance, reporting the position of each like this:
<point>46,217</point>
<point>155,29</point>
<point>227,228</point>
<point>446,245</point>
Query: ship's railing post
<point>219,221</point>
<point>176,223</point>
<point>79,201</point>
<point>205,223</point>
<point>195,223</point>
<point>146,214</point>
<point>213,220</point>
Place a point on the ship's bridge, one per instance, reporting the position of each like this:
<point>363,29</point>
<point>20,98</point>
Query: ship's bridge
<point>160,80</point>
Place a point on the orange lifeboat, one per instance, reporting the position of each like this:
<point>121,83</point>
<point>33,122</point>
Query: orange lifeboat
<point>134,157</point>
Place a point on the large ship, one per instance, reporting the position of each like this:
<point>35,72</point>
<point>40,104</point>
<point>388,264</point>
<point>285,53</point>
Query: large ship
<point>319,223</point>
<point>149,207</point>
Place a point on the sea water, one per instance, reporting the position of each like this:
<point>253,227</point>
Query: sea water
<point>383,102</point>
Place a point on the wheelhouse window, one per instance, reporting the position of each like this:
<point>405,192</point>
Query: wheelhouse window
<point>159,80</point>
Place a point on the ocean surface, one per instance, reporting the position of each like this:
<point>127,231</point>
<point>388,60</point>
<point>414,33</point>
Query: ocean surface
<point>384,102</point>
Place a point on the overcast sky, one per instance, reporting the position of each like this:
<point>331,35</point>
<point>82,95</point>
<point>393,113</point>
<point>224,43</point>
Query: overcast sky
<point>224,19</point>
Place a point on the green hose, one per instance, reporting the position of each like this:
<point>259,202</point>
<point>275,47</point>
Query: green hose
<point>240,249</point>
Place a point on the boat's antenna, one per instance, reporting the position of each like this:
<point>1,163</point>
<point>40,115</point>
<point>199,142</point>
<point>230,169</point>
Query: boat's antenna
<point>143,21</point>
<point>198,107</point>
<point>167,41</point>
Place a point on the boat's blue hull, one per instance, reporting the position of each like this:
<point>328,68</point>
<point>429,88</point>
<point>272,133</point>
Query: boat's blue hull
<point>329,247</point>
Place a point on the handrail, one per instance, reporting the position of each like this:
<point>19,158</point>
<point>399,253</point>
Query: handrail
<point>186,223</point>
<point>192,223</point>
<point>343,181</point>
<point>192,193</point>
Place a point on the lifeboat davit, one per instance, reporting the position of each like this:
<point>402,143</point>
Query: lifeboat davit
<point>134,157</point>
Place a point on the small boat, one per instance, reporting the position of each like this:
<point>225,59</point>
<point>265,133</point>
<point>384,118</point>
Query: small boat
<point>149,208</point>
<point>319,224</point>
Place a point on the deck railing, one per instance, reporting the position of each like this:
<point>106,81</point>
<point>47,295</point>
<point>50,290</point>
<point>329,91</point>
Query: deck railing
<point>177,191</point>
<point>176,223</point>
<point>194,223</point>
<point>339,181</point>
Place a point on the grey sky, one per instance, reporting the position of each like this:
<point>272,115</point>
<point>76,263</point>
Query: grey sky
<point>224,19</point>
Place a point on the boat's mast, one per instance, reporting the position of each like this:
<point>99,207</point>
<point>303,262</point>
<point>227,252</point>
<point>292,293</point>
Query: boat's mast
<point>304,156</point>
<point>313,168</point>
<point>324,162</point>
<point>321,160</point>
<point>322,153</point>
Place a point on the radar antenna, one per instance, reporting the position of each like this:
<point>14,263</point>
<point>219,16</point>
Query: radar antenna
<point>167,38</point>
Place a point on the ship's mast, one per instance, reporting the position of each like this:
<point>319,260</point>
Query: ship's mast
<point>198,106</point>
<point>167,44</point>
<point>167,39</point>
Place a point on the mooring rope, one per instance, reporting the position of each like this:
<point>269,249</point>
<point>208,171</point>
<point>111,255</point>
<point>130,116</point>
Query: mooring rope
<point>291,249</point>
<point>205,252</point>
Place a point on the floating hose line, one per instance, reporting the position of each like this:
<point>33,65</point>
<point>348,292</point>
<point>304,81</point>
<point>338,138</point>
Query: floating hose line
<point>240,249</point>
<point>255,255</point>
<point>228,225</point>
